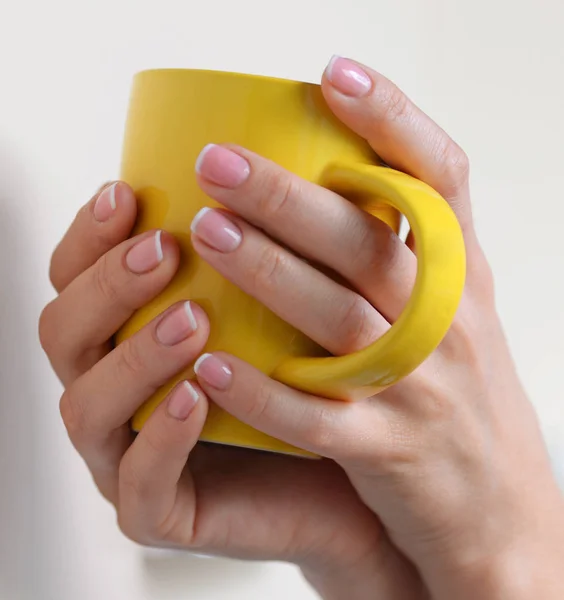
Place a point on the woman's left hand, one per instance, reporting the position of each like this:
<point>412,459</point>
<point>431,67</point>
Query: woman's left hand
<point>439,456</point>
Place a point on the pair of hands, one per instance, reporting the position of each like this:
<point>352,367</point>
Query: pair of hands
<point>439,486</point>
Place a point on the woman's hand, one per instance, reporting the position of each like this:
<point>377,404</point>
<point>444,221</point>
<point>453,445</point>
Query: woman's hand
<point>227,501</point>
<point>451,458</point>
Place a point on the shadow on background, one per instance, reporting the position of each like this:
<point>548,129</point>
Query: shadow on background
<point>26,542</point>
<point>167,572</point>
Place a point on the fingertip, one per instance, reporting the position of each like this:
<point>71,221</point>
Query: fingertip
<point>184,400</point>
<point>179,419</point>
<point>199,338</point>
<point>167,245</point>
<point>202,402</point>
<point>101,224</point>
<point>124,195</point>
<point>166,250</point>
<point>345,80</point>
<point>114,205</point>
<point>215,370</point>
<point>342,106</point>
<point>198,314</point>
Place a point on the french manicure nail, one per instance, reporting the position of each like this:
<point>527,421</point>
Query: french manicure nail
<point>177,325</point>
<point>216,230</point>
<point>182,401</point>
<point>348,77</point>
<point>145,255</point>
<point>213,371</point>
<point>105,203</point>
<point>222,166</point>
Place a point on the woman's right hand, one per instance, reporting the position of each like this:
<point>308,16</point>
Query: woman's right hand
<point>230,501</point>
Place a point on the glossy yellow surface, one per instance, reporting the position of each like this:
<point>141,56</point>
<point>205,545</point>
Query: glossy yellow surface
<point>173,114</point>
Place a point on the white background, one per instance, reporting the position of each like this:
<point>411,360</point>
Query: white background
<point>491,72</point>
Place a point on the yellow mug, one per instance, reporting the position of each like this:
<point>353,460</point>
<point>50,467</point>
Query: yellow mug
<point>173,114</point>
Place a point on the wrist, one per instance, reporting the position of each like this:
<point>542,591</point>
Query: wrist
<point>528,568</point>
<point>523,576</point>
<point>383,574</point>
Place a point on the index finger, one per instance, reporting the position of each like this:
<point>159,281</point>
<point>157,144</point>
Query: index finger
<point>399,132</point>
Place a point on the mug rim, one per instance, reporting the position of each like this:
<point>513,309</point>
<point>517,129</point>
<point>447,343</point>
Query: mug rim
<point>224,75</point>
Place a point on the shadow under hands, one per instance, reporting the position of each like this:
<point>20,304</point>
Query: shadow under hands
<point>167,571</point>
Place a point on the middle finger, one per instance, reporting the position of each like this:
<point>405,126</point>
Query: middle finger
<point>315,222</point>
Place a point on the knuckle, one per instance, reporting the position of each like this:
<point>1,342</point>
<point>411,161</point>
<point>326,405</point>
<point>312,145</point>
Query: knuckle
<point>157,443</point>
<point>177,530</point>
<point>321,431</point>
<point>55,276</point>
<point>73,415</point>
<point>463,342</point>
<point>370,439</point>
<point>131,482</point>
<point>260,403</point>
<point>269,268</point>
<point>104,239</point>
<point>378,249</point>
<point>481,281</point>
<point>356,327</point>
<point>276,195</point>
<point>434,401</point>
<point>390,442</point>
<point>146,534</point>
<point>398,449</point>
<point>320,424</point>
<point>131,528</point>
<point>47,328</point>
<point>454,164</point>
<point>104,280</point>
<point>134,493</point>
<point>130,359</point>
<point>396,105</point>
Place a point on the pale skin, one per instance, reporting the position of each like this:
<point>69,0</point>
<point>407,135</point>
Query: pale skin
<point>439,487</point>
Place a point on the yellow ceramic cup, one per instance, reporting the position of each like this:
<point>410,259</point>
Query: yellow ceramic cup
<point>173,114</point>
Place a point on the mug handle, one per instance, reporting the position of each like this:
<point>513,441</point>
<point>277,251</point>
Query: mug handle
<point>441,271</point>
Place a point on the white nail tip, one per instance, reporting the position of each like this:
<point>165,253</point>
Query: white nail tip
<point>202,155</point>
<point>192,391</point>
<point>198,218</point>
<point>158,245</point>
<point>199,362</point>
<point>329,68</point>
<point>112,192</point>
<point>190,315</point>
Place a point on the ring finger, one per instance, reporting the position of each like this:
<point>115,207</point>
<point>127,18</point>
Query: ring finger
<point>91,309</point>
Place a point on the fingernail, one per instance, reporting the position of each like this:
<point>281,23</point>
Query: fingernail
<point>222,166</point>
<point>182,401</point>
<point>177,325</point>
<point>216,230</point>
<point>105,205</point>
<point>213,371</point>
<point>348,77</point>
<point>146,255</point>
